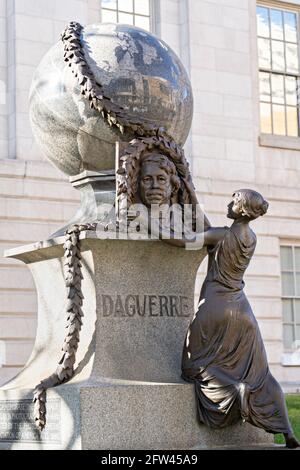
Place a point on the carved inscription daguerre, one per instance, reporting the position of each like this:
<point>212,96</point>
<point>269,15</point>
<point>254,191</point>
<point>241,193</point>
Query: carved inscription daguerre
<point>135,306</point>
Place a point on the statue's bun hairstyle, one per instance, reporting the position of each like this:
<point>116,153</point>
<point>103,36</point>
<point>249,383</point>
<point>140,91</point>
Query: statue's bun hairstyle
<point>252,204</point>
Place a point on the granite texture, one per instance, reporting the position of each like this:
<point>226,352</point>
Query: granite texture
<point>138,71</point>
<point>128,415</point>
<point>123,279</point>
<point>21,432</point>
<point>154,416</point>
<point>97,198</point>
<point>127,392</point>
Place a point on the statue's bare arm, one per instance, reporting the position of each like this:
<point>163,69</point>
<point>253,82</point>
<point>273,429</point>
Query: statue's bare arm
<point>213,235</point>
<point>209,237</point>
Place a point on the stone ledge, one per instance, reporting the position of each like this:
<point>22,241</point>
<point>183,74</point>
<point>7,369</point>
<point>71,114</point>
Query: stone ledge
<point>279,141</point>
<point>122,415</point>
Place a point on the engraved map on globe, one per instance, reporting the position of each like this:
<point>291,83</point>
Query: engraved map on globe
<point>137,70</point>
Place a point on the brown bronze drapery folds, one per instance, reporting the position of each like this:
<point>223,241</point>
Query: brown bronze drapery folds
<point>224,354</point>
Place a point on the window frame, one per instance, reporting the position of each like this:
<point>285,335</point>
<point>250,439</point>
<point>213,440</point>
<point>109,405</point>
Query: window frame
<point>151,16</point>
<point>271,139</point>
<point>293,245</point>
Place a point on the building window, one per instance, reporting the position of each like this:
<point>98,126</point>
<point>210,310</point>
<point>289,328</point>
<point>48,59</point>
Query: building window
<point>136,12</point>
<point>290,277</point>
<point>278,38</point>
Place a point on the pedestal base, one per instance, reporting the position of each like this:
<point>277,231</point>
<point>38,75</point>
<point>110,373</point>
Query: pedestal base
<point>97,196</point>
<point>119,415</point>
<point>127,392</point>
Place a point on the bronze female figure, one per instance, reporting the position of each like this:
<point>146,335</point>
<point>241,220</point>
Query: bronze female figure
<point>223,353</point>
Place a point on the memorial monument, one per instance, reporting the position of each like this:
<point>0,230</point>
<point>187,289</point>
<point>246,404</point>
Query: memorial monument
<point>111,106</point>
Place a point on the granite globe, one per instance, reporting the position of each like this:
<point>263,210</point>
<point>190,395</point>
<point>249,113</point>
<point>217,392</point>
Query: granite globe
<point>137,70</point>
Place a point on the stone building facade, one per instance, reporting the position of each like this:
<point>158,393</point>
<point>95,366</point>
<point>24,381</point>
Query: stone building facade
<point>217,42</point>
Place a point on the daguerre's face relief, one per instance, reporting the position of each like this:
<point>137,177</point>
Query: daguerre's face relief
<point>155,184</point>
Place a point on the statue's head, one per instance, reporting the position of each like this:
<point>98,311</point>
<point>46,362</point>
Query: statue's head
<point>158,180</point>
<point>247,203</point>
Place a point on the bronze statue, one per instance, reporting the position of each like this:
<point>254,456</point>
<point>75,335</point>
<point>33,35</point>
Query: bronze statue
<point>223,353</point>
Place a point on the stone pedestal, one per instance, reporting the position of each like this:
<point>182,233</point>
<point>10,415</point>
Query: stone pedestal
<point>127,392</point>
<point>97,195</point>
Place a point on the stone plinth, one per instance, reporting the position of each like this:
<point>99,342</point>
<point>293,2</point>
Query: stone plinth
<point>97,194</point>
<point>127,392</point>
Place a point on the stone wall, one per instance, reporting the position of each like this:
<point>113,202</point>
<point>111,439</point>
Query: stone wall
<point>216,40</point>
<point>35,199</point>
<point>3,81</point>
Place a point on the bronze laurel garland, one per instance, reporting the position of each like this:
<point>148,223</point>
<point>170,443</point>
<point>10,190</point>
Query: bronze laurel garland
<point>73,278</point>
<point>148,137</point>
<point>114,114</point>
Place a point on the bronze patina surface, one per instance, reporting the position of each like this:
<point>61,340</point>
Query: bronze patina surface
<point>224,354</point>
